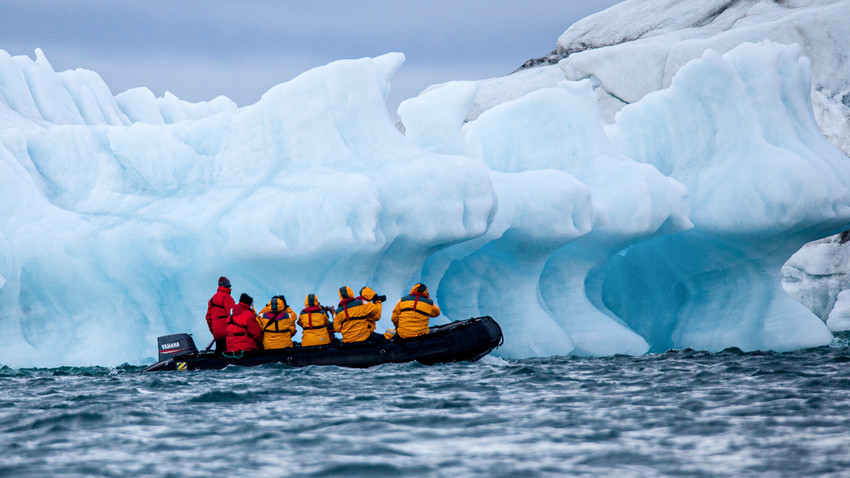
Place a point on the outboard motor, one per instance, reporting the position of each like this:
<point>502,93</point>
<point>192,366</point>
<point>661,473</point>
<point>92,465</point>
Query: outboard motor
<point>174,345</point>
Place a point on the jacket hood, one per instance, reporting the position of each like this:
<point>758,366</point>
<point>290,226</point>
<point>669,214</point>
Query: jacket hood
<point>311,301</point>
<point>367,293</point>
<point>345,292</point>
<point>419,289</point>
<point>241,306</point>
<point>226,290</point>
<point>277,304</point>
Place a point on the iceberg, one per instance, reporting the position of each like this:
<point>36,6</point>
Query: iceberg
<point>667,228</point>
<point>737,131</point>
<point>816,274</point>
<point>839,316</point>
<point>634,48</point>
<point>629,59</point>
<point>110,230</point>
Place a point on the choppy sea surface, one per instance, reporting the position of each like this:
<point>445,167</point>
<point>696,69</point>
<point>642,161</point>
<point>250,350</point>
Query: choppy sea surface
<point>681,413</point>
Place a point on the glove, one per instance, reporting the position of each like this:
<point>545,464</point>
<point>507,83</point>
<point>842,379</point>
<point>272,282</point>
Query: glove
<point>379,298</point>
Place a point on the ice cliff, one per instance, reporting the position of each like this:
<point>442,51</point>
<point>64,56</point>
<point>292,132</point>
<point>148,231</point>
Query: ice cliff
<point>637,47</point>
<point>761,178</point>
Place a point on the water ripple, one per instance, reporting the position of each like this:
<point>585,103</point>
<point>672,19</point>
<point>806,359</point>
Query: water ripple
<point>681,413</point>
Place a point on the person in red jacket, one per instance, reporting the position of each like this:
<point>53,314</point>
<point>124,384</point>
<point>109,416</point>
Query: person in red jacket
<point>218,311</point>
<point>243,330</point>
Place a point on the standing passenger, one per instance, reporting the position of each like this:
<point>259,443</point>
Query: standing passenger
<point>243,331</point>
<point>413,312</point>
<point>218,310</point>
<point>314,323</point>
<point>355,317</point>
<point>278,323</point>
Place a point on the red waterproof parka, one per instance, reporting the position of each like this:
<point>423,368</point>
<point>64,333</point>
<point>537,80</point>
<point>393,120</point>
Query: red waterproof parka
<point>218,311</point>
<point>243,330</point>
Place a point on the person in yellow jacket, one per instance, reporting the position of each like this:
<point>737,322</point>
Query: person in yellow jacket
<point>356,316</point>
<point>413,312</point>
<point>370,295</point>
<point>314,323</point>
<point>277,320</point>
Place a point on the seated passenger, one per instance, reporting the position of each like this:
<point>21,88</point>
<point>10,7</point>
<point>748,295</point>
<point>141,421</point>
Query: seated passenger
<point>243,331</point>
<point>413,312</point>
<point>314,323</point>
<point>278,323</point>
<point>368,294</point>
<point>355,317</point>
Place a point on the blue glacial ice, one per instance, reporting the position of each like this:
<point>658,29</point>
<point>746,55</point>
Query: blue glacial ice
<point>666,229</point>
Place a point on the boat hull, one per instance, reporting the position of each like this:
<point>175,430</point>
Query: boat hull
<point>465,340</point>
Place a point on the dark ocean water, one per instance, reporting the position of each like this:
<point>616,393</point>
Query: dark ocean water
<point>682,413</point>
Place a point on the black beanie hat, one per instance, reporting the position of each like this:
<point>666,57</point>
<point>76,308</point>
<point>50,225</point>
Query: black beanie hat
<point>224,282</point>
<point>246,299</point>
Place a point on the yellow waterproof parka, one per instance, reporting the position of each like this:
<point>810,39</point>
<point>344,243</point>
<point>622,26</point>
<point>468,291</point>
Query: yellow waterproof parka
<point>355,316</point>
<point>371,296</point>
<point>413,312</point>
<point>314,323</point>
<point>278,323</point>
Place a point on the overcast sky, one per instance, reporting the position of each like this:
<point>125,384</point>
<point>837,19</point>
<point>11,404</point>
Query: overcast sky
<point>199,49</point>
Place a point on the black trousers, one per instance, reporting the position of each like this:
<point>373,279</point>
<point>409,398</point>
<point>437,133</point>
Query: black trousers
<point>221,345</point>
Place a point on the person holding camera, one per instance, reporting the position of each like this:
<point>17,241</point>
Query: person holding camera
<point>355,317</point>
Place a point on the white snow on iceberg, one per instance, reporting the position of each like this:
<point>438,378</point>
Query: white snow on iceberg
<point>839,317</point>
<point>632,50</point>
<point>816,274</point>
<point>636,47</point>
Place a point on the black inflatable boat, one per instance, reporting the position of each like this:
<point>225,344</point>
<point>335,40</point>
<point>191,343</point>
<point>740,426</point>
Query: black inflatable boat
<point>464,340</point>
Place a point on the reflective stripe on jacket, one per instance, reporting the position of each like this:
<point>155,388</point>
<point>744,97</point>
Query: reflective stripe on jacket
<point>355,319</point>
<point>412,314</point>
<point>278,329</point>
<point>314,324</point>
